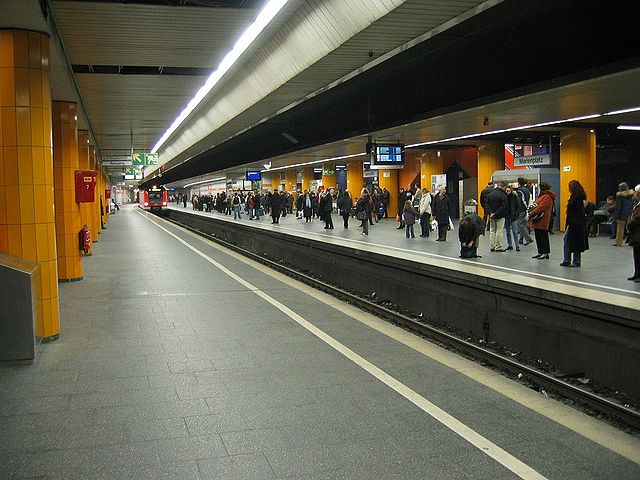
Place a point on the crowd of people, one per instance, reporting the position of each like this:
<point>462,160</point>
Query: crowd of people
<point>511,215</point>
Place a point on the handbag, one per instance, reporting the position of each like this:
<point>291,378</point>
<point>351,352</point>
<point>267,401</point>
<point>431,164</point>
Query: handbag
<point>536,217</point>
<point>361,215</point>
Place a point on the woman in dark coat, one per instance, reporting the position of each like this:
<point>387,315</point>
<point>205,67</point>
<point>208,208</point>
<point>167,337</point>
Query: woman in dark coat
<point>326,206</point>
<point>299,204</point>
<point>441,210</point>
<point>344,206</point>
<point>543,212</point>
<point>362,210</point>
<point>576,240</point>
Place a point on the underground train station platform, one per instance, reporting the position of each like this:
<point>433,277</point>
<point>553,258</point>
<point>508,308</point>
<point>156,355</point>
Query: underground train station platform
<point>181,359</point>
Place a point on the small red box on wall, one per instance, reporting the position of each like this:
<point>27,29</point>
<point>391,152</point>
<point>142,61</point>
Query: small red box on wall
<point>85,185</point>
<point>107,194</point>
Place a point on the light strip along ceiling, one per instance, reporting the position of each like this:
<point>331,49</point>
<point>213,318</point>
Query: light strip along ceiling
<point>266,15</point>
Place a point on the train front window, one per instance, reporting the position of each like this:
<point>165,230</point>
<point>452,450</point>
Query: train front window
<point>155,197</point>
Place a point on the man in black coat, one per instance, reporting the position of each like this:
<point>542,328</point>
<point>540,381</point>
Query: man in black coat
<point>496,207</point>
<point>483,201</point>
<point>275,202</point>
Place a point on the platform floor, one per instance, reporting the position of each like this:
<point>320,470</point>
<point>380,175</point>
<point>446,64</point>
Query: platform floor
<point>603,274</point>
<point>180,360</point>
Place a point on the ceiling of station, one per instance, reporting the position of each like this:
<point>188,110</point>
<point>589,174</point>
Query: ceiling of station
<point>138,62</point>
<point>502,63</point>
<point>153,37</point>
<point>132,111</point>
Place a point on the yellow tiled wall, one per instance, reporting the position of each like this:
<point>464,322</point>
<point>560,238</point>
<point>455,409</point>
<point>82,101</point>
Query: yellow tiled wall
<point>355,178</point>
<point>388,179</point>
<point>307,177</point>
<point>27,218</point>
<point>490,159</point>
<point>329,181</point>
<point>291,182</point>
<point>577,162</point>
<point>65,163</point>
<point>430,164</point>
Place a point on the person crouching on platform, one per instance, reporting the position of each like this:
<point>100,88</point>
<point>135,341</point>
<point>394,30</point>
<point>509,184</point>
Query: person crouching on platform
<point>469,231</point>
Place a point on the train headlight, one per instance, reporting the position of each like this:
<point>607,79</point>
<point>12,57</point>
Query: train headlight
<point>146,204</point>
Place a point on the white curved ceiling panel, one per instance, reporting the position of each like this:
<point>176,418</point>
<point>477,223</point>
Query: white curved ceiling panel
<point>317,29</point>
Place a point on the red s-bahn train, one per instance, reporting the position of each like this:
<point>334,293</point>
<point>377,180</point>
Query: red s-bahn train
<point>154,198</point>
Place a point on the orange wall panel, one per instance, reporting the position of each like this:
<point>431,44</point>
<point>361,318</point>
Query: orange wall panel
<point>26,211</point>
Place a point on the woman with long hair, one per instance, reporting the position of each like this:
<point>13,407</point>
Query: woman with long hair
<point>575,234</point>
<point>362,210</point>
<point>540,218</point>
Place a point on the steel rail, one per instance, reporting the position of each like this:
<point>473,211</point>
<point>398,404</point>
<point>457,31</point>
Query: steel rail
<point>595,402</point>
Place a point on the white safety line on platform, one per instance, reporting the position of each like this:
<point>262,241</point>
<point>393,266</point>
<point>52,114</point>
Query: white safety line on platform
<point>436,255</point>
<point>487,447</point>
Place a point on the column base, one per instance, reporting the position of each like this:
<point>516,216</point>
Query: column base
<point>87,254</point>
<point>70,279</point>
<point>50,339</point>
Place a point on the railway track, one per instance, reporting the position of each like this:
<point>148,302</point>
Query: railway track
<point>580,396</point>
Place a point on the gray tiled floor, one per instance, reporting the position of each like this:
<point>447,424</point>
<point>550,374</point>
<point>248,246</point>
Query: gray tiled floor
<point>166,368</point>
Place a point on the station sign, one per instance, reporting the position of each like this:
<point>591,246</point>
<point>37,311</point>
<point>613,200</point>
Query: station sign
<point>532,161</point>
<point>116,161</point>
<point>132,174</point>
<point>144,159</point>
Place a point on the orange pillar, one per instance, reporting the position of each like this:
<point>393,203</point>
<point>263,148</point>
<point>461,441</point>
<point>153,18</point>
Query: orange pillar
<point>95,206</point>
<point>290,180</point>
<point>65,163</point>
<point>430,164</point>
<point>86,209</point>
<point>490,159</point>
<point>329,175</point>
<point>389,179</point>
<point>27,221</point>
<point>355,178</point>
<point>577,162</point>
<point>307,177</point>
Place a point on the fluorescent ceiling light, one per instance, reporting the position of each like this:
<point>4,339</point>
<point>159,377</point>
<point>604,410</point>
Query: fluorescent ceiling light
<point>210,180</point>
<point>512,129</point>
<point>586,117</point>
<point>629,127</point>
<point>315,161</point>
<point>263,19</point>
<point>627,110</point>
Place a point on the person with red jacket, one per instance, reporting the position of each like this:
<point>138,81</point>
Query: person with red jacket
<point>540,218</point>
